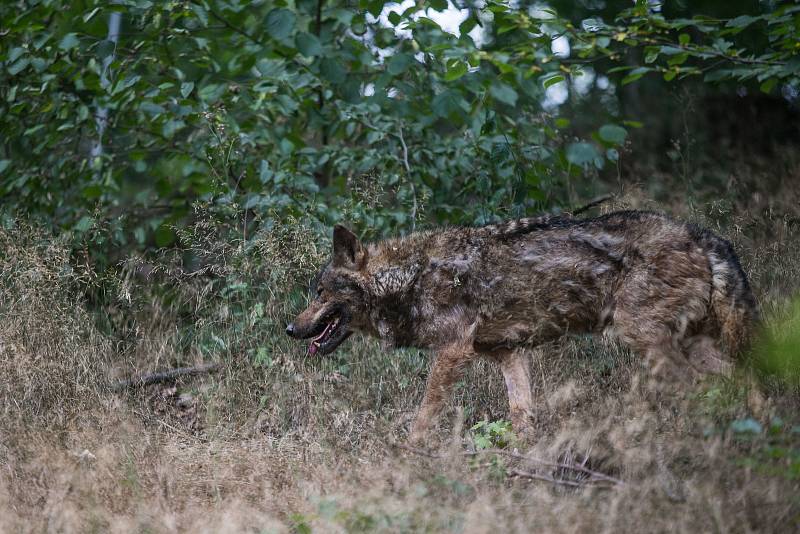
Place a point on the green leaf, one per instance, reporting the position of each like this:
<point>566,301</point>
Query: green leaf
<point>151,108</point>
<point>69,41</point>
<point>83,224</point>
<point>105,48</point>
<point>684,39</point>
<point>172,127</point>
<point>398,63</point>
<point>265,174</point>
<point>90,15</point>
<point>553,80</point>
<point>271,68</point>
<point>308,44</point>
<point>503,93</point>
<point>92,191</point>
<point>201,13</point>
<point>612,133</point>
<point>333,70</point>
<point>210,93</point>
<point>679,59</point>
<point>581,153</point>
<point>741,21</point>
<point>18,66</point>
<point>164,236</point>
<point>39,64</point>
<point>455,70</point>
<point>15,53</point>
<point>186,89</point>
<point>467,25</point>
<point>447,103</point>
<point>651,54</point>
<point>280,23</point>
<point>634,75</point>
<point>4,163</point>
<point>33,129</point>
<point>438,5</point>
<point>124,83</point>
<point>671,50</point>
<point>768,85</point>
<point>375,7</point>
<point>746,426</point>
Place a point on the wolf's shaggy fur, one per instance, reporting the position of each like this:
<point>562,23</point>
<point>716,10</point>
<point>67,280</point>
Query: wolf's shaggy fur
<point>674,293</point>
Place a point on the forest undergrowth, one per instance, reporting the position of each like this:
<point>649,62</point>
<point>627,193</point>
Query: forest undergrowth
<point>276,441</point>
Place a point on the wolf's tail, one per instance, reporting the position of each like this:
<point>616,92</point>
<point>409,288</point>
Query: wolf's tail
<point>732,301</point>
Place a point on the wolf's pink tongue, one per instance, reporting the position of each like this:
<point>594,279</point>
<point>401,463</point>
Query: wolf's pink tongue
<point>312,348</point>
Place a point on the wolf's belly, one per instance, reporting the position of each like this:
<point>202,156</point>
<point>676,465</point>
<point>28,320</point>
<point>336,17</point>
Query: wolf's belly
<point>538,324</point>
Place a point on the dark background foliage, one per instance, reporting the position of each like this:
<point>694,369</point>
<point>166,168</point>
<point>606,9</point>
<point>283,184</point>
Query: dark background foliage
<point>371,113</point>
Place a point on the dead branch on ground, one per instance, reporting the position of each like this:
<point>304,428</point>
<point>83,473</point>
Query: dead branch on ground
<point>596,478</point>
<point>166,376</point>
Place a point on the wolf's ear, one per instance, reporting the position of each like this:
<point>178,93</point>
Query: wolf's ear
<point>348,252</point>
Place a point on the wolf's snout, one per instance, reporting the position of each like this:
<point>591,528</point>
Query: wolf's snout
<point>290,330</point>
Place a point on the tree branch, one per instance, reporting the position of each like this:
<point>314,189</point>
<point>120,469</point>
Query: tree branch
<point>166,376</point>
<point>410,180</point>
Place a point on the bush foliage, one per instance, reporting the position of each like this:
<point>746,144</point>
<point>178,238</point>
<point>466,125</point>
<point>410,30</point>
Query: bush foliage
<point>124,114</point>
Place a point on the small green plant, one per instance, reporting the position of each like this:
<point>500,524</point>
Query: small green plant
<point>300,524</point>
<point>778,350</point>
<point>774,449</point>
<point>495,434</point>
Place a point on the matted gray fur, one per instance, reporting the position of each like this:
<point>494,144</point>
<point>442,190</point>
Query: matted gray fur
<point>673,292</point>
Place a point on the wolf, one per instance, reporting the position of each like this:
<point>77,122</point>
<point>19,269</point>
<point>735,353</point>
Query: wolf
<point>673,292</point>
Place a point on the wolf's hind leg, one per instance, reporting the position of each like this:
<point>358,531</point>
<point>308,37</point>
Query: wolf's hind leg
<point>650,337</point>
<point>450,363</point>
<point>518,384</point>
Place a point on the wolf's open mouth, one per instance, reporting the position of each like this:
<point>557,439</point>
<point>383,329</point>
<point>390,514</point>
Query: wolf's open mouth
<point>334,333</point>
<point>317,342</point>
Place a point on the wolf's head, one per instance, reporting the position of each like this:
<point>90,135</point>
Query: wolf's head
<point>341,302</point>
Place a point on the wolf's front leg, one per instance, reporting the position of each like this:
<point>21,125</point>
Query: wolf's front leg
<point>450,363</point>
<point>518,384</point>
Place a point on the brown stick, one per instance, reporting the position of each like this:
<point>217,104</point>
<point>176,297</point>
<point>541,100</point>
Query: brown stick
<point>166,376</point>
<point>596,476</point>
<point>415,450</point>
<point>536,476</point>
<point>596,202</point>
<point>574,467</point>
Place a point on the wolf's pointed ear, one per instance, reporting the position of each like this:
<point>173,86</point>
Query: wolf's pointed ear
<point>348,252</point>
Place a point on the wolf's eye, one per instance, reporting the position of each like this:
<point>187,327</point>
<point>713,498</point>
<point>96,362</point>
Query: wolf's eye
<point>319,291</point>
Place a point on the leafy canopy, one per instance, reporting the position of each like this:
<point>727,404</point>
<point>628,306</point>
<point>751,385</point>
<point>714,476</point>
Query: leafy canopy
<point>288,108</point>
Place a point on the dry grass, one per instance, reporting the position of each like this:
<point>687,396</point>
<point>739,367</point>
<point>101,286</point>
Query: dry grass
<point>278,442</point>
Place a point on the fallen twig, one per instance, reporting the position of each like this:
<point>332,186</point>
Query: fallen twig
<point>415,450</point>
<point>537,476</point>
<point>166,376</point>
<point>596,202</point>
<point>595,477</point>
<point>571,466</point>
